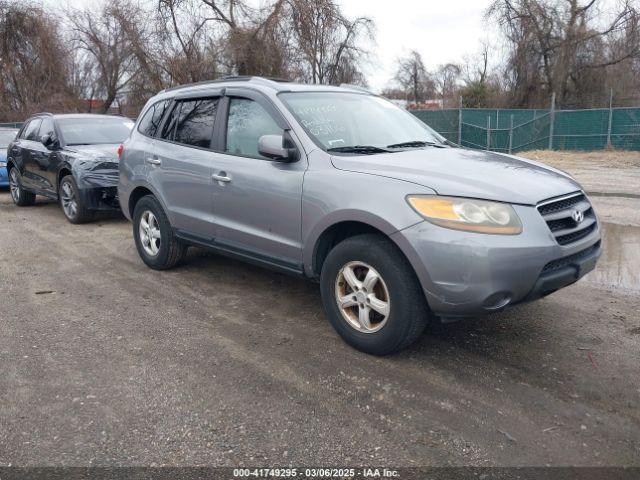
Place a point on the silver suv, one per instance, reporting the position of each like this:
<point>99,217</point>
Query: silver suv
<point>336,184</point>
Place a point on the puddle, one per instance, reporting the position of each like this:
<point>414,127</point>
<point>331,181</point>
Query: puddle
<point>619,265</point>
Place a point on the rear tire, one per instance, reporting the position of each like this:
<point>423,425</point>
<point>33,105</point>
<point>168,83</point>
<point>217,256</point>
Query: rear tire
<point>19,195</point>
<point>157,245</point>
<point>71,202</point>
<point>372,296</point>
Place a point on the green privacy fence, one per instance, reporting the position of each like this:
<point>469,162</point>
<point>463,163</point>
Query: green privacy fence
<point>517,130</point>
<point>506,130</point>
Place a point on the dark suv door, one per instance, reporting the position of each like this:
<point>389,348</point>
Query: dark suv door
<point>40,166</point>
<point>21,152</point>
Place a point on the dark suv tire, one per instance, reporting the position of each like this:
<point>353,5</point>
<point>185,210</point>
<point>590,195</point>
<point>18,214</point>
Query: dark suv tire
<point>157,245</point>
<point>19,195</point>
<point>372,296</point>
<point>71,202</point>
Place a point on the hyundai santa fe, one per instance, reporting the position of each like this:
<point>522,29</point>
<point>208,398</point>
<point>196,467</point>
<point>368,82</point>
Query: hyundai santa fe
<point>336,184</point>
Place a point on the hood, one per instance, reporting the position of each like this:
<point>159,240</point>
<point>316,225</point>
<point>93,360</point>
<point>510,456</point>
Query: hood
<point>467,173</point>
<point>108,151</point>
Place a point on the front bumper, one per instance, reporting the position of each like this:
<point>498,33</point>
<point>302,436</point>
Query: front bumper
<point>4,178</point>
<point>563,272</point>
<point>467,274</point>
<point>101,198</point>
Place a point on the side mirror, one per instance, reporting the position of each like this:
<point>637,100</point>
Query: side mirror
<point>273,147</point>
<point>49,141</point>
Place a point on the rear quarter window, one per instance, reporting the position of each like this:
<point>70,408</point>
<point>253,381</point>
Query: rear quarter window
<point>150,122</point>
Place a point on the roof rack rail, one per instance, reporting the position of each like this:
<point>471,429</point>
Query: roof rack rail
<point>355,87</point>
<point>43,113</point>
<point>228,78</point>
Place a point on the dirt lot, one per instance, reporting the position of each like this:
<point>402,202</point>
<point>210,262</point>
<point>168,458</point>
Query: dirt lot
<point>578,160</point>
<point>105,362</point>
<point>602,172</point>
<point>612,178</point>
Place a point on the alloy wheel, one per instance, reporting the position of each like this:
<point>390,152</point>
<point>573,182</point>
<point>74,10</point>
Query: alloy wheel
<point>68,199</point>
<point>149,231</point>
<point>362,297</point>
<point>14,185</point>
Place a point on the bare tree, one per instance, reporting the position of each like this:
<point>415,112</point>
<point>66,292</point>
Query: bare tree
<point>105,39</point>
<point>413,77</point>
<point>34,62</point>
<point>329,43</point>
<point>184,47</point>
<point>264,44</point>
<point>447,78</point>
<point>563,46</point>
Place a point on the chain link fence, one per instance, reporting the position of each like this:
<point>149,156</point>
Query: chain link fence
<point>510,131</point>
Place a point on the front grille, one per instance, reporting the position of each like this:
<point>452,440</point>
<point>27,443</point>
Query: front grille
<point>551,206</point>
<point>558,215</point>
<point>565,261</point>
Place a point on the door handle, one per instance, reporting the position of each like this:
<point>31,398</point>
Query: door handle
<point>221,178</point>
<point>154,161</point>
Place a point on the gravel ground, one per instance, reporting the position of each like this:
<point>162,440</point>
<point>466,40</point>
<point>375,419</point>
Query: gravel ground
<point>601,172</point>
<point>105,362</point>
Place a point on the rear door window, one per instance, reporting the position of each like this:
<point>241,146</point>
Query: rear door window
<point>195,122</point>
<point>191,122</point>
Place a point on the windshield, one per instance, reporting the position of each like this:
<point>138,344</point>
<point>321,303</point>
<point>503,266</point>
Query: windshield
<point>337,120</point>
<point>6,137</point>
<point>91,131</point>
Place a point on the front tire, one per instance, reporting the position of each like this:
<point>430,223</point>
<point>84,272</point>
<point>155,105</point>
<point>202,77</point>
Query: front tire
<point>157,245</point>
<point>19,195</point>
<point>71,202</point>
<point>372,296</point>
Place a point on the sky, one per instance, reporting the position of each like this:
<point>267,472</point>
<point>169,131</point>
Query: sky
<point>443,31</point>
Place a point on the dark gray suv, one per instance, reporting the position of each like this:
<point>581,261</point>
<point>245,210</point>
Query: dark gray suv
<point>340,185</point>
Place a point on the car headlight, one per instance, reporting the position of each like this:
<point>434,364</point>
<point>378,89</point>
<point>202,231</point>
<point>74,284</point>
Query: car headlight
<point>467,214</point>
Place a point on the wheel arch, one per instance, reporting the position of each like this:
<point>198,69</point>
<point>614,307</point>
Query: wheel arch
<point>63,172</point>
<point>11,164</point>
<point>338,227</point>
<point>142,190</point>
<point>335,234</point>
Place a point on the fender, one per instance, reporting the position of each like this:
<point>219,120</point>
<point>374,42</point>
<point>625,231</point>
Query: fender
<point>132,186</point>
<point>311,238</point>
<point>65,165</point>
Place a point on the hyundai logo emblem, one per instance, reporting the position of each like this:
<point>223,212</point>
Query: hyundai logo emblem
<point>578,216</point>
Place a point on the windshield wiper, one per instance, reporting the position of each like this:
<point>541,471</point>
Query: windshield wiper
<point>413,143</point>
<point>359,149</point>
